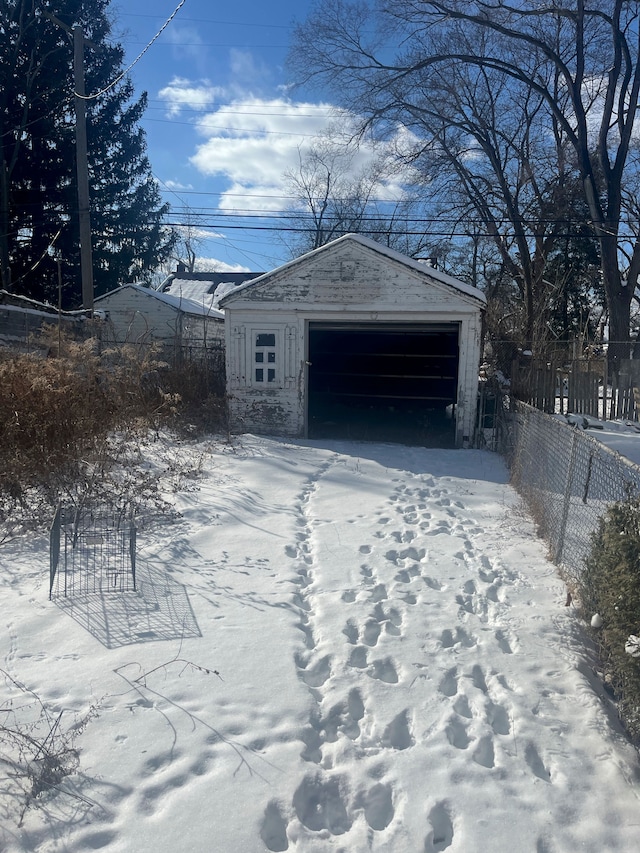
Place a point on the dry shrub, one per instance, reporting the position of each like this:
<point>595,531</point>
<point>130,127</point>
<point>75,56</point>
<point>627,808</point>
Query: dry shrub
<point>37,749</point>
<point>60,404</point>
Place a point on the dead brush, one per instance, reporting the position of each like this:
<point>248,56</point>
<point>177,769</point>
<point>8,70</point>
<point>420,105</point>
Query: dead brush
<point>37,749</point>
<point>70,413</point>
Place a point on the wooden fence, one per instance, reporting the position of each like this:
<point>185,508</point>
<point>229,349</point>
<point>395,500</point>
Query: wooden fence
<point>579,388</point>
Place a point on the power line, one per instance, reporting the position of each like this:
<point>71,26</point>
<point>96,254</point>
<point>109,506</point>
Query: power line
<point>400,233</point>
<point>213,21</point>
<point>137,59</point>
<point>249,134</point>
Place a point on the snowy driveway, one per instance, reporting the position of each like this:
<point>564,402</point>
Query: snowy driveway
<point>395,670</point>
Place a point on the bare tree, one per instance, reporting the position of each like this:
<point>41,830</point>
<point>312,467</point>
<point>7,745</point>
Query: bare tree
<point>189,237</point>
<point>338,189</point>
<point>575,66</point>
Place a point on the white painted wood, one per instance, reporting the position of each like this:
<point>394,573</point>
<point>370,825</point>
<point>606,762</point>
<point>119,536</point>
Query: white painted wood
<point>350,280</point>
<point>136,314</point>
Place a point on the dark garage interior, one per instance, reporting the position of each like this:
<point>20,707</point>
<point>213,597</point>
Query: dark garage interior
<point>383,382</point>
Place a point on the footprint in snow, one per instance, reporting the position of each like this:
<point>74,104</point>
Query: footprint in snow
<point>536,765</point>
<point>319,805</point>
<point>483,754</point>
<point>441,835</point>
<point>358,657</point>
<point>397,735</point>
<point>384,670</point>
<point>449,683</point>
<point>503,643</point>
<point>371,632</point>
<point>350,631</point>
<point>355,712</point>
<point>378,806</point>
<point>273,831</point>
<point>378,592</point>
<point>317,674</point>
<point>457,734</point>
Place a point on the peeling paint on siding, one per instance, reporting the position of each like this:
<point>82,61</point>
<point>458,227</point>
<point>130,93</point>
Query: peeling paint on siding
<point>348,285</point>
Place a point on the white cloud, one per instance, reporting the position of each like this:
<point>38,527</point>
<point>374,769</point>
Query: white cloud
<point>194,232</point>
<point>182,93</point>
<point>216,265</point>
<point>246,70</point>
<point>187,44</point>
<point>176,185</point>
<point>252,142</point>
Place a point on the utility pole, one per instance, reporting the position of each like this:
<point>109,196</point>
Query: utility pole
<point>82,165</point>
<point>82,171</point>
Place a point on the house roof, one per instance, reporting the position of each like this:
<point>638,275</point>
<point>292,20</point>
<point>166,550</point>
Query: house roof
<point>180,303</point>
<point>419,266</point>
<point>205,288</point>
<point>12,301</point>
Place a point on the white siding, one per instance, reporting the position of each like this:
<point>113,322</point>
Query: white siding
<point>137,315</point>
<point>344,282</point>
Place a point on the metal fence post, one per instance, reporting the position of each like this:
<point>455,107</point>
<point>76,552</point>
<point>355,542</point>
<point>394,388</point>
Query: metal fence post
<point>54,548</point>
<point>567,498</point>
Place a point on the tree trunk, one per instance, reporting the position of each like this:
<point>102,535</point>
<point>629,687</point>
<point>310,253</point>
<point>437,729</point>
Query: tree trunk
<point>618,296</point>
<point>5,265</point>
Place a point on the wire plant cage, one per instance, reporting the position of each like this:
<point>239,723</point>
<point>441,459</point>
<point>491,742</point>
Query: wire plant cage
<point>91,551</point>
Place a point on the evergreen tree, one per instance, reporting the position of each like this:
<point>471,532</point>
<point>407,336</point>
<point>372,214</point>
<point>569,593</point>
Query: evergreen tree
<point>38,187</point>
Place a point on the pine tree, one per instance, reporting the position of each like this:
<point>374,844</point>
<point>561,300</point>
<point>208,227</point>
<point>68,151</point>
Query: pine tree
<point>38,189</point>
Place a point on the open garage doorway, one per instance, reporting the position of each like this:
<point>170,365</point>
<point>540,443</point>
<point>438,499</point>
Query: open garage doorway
<point>383,382</point>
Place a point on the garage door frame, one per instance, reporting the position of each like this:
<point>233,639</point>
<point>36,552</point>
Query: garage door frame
<point>414,331</point>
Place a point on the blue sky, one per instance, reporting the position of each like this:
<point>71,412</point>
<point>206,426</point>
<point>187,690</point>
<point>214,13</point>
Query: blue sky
<point>223,123</point>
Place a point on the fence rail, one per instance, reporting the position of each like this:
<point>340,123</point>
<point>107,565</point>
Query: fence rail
<point>567,479</point>
<point>581,387</point>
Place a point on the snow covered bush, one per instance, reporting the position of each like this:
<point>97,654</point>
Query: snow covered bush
<point>610,587</point>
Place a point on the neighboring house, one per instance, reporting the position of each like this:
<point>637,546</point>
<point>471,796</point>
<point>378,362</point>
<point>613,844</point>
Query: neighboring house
<point>355,340</point>
<point>136,314</point>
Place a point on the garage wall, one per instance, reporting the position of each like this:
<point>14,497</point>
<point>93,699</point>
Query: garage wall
<point>343,282</point>
<point>279,406</point>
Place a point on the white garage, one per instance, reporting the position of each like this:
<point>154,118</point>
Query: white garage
<point>356,341</point>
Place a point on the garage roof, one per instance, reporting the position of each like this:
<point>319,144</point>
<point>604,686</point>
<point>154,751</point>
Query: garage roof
<point>419,266</point>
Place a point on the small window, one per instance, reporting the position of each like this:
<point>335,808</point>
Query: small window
<point>265,340</point>
<point>264,352</point>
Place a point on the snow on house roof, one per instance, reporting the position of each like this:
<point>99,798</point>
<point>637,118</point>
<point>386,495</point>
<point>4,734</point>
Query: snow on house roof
<point>207,288</point>
<point>420,266</point>
<point>180,303</point>
<point>197,291</point>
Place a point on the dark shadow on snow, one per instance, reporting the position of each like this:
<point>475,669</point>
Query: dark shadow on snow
<point>159,610</point>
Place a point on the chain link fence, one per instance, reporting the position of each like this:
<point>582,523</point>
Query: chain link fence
<point>567,477</point>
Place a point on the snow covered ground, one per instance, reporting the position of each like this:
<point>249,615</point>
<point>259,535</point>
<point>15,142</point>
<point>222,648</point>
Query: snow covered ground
<point>337,647</point>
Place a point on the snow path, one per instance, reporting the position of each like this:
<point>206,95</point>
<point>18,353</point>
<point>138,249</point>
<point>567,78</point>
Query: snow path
<point>397,670</point>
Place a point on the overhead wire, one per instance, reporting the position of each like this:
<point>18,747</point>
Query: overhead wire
<point>136,60</point>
